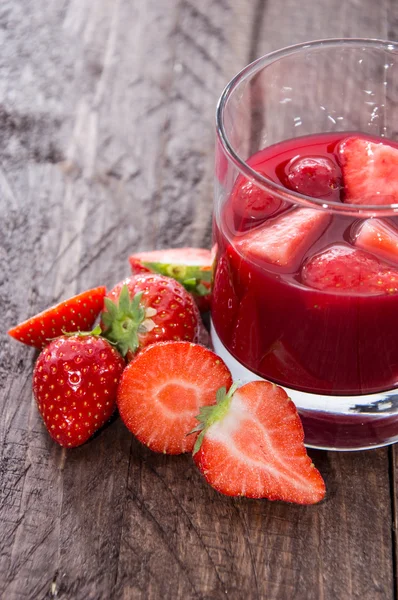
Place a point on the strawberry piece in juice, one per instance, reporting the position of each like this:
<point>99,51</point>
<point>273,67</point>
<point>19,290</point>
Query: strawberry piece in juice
<point>284,240</point>
<point>251,202</point>
<point>370,171</point>
<point>346,270</point>
<point>315,176</point>
<point>378,237</point>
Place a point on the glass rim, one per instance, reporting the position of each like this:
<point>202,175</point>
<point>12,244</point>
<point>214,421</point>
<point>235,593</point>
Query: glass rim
<point>366,210</point>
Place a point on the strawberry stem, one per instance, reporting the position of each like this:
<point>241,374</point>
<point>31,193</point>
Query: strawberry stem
<point>208,415</point>
<point>123,321</point>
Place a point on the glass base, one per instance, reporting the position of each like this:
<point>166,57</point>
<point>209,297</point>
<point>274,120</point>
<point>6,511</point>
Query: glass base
<point>333,422</point>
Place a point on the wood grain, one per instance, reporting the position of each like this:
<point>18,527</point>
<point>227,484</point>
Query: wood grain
<point>107,123</point>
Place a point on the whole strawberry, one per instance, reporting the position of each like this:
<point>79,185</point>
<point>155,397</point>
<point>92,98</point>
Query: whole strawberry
<point>149,308</point>
<point>75,381</point>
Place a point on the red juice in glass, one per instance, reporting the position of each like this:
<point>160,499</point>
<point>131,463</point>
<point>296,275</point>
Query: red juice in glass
<point>305,291</point>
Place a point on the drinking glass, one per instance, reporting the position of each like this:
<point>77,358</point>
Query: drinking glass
<point>334,351</point>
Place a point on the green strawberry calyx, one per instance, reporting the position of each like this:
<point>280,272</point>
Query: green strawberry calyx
<point>97,331</point>
<point>191,277</point>
<point>208,415</point>
<point>126,319</point>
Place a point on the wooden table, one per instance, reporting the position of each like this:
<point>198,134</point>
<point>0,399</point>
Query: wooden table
<point>106,146</point>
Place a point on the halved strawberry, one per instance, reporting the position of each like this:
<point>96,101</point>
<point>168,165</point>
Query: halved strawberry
<point>75,314</point>
<point>378,237</point>
<point>252,444</point>
<point>284,240</point>
<point>344,269</point>
<point>192,267</point>
<point>148,308</point>
<point>162,390</point>
<point>370,171</point>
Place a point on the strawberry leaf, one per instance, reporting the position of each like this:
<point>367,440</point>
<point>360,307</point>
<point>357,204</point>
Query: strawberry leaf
<point>123,320</point>
<point>208,415</point>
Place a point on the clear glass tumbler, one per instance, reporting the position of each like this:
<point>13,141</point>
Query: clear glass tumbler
<point>332,346</point>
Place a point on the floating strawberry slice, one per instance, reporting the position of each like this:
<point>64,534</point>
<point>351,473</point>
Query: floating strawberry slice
<point>344,269</point>
<point>192,267</point>
<point>252,444</point>
<point>370,171</point>
<point>379,237</point>
<point>162,390</point>
<point>76,314</point>
<point>284,240</point>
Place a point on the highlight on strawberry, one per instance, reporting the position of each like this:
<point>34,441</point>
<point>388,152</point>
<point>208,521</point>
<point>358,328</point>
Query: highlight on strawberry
<point>162,390</point>
<point>192,267</point>
<point>78,313</point>
<point>75,381</point>
<point>148,308</point>
<point>251,443</point>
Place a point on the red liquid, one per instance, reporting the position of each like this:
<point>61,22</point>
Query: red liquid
<point>338,343</point>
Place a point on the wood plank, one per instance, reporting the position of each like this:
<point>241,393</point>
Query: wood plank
<point>107,142</point>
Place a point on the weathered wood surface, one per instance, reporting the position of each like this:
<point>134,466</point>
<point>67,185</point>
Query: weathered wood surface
<point>106,122</point>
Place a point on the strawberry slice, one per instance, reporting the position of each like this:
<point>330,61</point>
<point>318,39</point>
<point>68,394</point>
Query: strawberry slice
<point>344,269</point>
<point>162,390</point>
<point>378,237</point>
<point>75,314</point>
<point>192,267</point>
<point>252,444</point>
<point>284,240</point>
<point>370,171</point>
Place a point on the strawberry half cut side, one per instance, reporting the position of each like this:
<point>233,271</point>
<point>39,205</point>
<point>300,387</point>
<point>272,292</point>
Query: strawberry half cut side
<point>75,314</point>
<point>192,267</point>
<point>252,444</point>
<point>284,240</point>
<point>370,171</point>
<point>162,390</point>
<point>378,237</point>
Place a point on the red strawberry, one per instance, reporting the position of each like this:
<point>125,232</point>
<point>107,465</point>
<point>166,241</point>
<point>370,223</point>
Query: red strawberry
<point>251,202</point>
<point>252,444</point>
<point>344,269</point>
<point>316,176</point>
<point>379,237</point>
<point>76,314</point>
<point>162,390</point>
<point>149,308</point>
<point>75,382</point>
<point>284,240</point>
<point>192,267</point>
<point>370,171</point>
